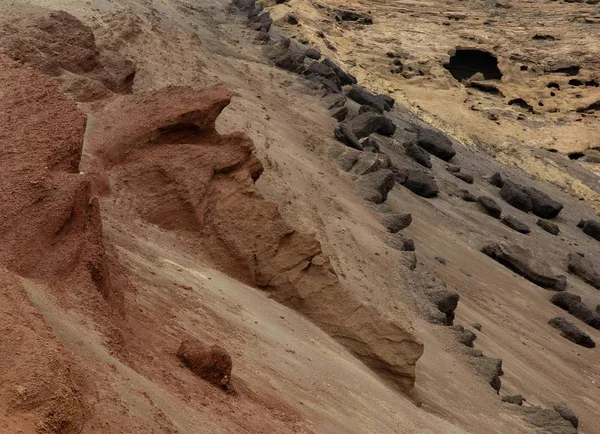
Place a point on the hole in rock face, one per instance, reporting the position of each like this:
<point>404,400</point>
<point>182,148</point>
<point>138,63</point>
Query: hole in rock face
<point>520,102</point>
<point>553,85</point>
<point>524,67</point>
<point>465,63</point>
<point>575,82</point>
<point>576,155</point>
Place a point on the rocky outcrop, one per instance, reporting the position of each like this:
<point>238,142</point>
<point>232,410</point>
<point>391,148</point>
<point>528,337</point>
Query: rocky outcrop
<point>58,44</point>
<point>573,304</point>
<point>570,331</point>
<point>421,183</point>
<point>546,420</point>
<point>520,260</point>
<point>530,199</point>
<point>567,414</point>
<point>364,97</point>
<point>516,224</point>
<point>489,206</point>
<point>583,268</point>
<point>168,162</point>
<point>549,227</point>
<point>374,187</point>
<point>395,222</point>
<point>436,143</point>
<point>210,362</point>
<point>591,228</point>
<point>419,155</point>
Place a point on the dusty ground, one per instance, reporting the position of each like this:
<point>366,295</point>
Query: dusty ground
<point>289,375</point>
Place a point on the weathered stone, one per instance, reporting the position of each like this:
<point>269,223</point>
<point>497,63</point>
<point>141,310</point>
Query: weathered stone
<point>521,262</point>
<point>567,414</point>
<point>516,224</point>
<point>466,177</point>
<point>549,227</point>
<point>496,180</point>
<point>436,143</point>
<point>395,222</point>
<point>375,186</point>
<point>418,154</point>
<point>514,195</point>
<point>421,184</point>
<point>490,206</point>
<point>584,269</point>
<point>591,228</point>
<point>344,134</point>
<point>513,399</point>
<point>570,331</point>
<point>344,77</point>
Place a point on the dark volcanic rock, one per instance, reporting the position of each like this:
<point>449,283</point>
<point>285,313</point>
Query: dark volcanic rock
<point>582,312</point>
<point>368,123</point>
<point>364,97</point>
<point>567,414</point>
<point>466,177</point>
<point>547,420</point>
<point>530,199</point>
<point>521,262</point>
<point>375,186</point>
<point>445,300</point>
<point>395,221</point>
<point>496,180</point>
<point>516,224</point>
<point>467,337</point>
<point>548,226</point>
<point>467,196</point>
<point>344,134</point>
<point>591,228</point>
<point>313,53</point>
<point>490,206</point>
<point>339,113</point>
<point>513,399</point>
<point>564,299</point>
<point>288,56</point>
<point>436,143</point>
<point>400,242</point>
<point>583,268</point>
<point>543,205</point>
<point>514,195</point>
<point>453,168</point>
<point>421,184</point>
<point>345,78</point>
<point>418,154</point>
<point>570,331</point>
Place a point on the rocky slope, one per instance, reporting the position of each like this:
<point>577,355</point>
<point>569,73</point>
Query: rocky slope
<point>305,247</point>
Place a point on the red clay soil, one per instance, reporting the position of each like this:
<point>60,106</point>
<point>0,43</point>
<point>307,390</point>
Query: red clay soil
<point>58,44</point>
<point>167,164</point>
<point>51,227</point>
<point>51,231</point>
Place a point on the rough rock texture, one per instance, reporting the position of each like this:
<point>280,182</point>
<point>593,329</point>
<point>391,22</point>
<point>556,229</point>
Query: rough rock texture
<point>496,180</point>
<point>436,143</point>
<point>583,268</point>
<point>51,226</point>
<point>513,399</point>
<point>419,155</point>
<point>421,183</point>
<point>573,304</point>
<point>489,206</point>
<point>370,122</point>
<point>467,196</point>
<point>50,234</point>
<point>58,44</point>
<point>516,224</point>
<point>195,181</point>
<point>343,132</point>
<point>570,331</point>
<point>530,199</point>
<point>520,260</point>
<point>591,228</point>
<point>212,363</point>
<point>375,186</point>
<point>514,195</point>
<point>564,299</point>
<point>395,222</point>
<point>567,414</point>
<point>364,97</point>
<point>466,177</point>
<point>546,420</point>
<point>549,227</point>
